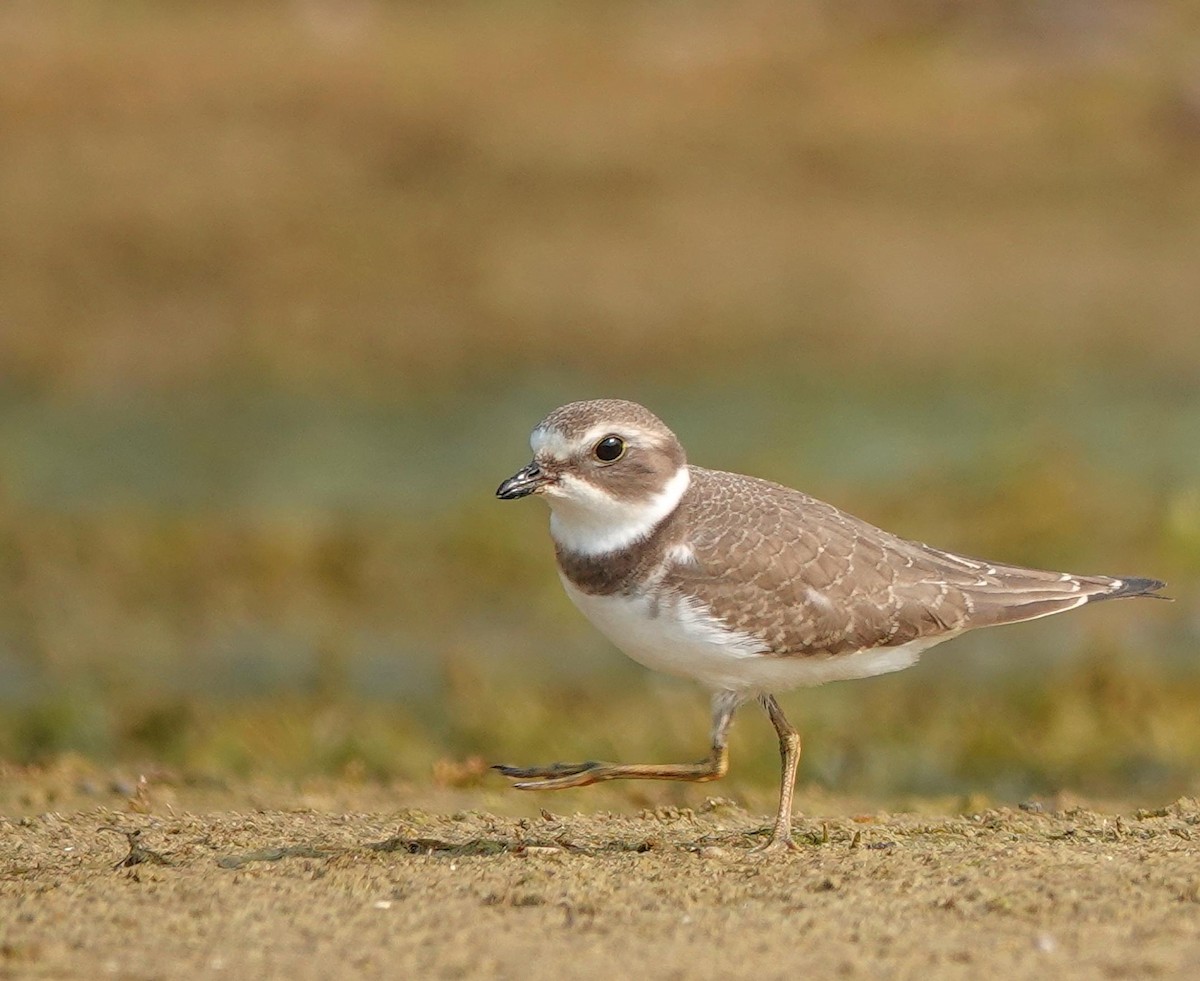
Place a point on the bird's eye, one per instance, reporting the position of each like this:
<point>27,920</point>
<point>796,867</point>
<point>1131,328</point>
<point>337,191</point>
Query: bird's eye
<point>609,450</point>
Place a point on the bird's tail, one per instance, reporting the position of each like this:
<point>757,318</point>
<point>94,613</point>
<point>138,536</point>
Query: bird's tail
<point>1009,594</point>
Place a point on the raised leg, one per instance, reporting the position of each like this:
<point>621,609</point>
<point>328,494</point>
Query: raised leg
<point>559,776</point>
<point>789,755</point>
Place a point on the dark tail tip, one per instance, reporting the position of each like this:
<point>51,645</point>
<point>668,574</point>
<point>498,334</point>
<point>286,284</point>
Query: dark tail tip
<point>1136,587</point>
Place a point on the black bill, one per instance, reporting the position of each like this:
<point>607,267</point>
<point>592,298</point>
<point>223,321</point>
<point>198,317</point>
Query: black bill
<point>523,482</point>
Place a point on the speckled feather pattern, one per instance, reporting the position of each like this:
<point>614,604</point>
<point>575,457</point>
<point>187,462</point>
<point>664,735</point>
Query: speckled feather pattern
<point>811,580</point>
<point>746,586</point>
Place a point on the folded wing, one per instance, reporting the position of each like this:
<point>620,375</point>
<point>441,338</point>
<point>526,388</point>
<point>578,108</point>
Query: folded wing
<point>811,580</point>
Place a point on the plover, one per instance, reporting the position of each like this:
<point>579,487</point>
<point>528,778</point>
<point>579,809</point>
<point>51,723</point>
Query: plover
<point>747,586</point>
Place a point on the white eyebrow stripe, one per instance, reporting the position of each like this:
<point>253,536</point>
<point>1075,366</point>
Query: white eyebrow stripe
<point>550,442</point>
<point>598,432</point>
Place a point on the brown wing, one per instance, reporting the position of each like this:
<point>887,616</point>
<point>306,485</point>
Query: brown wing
<point>809,579</point>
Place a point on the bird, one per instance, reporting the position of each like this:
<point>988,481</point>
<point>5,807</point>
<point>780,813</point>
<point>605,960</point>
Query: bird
<point>747,586</point>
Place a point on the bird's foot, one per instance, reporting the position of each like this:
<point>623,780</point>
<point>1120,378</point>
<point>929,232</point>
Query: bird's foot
<point>780,843</point>
<point>556,776</point>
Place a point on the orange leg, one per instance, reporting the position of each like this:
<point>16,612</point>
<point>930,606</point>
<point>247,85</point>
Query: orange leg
<point>558,776</point>
<point>789,754</point>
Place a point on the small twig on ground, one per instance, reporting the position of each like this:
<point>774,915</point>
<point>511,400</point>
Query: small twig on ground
<point>138,853</point>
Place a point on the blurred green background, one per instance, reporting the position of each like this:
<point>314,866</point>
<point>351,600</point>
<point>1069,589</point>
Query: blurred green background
<point>284,286</point>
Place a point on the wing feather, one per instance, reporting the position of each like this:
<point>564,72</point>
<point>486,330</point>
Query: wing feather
<point>809,579</point>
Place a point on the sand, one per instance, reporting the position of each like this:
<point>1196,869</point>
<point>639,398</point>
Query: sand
<point>228,880</point>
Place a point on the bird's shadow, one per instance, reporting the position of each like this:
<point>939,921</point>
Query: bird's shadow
<point>481,847</point>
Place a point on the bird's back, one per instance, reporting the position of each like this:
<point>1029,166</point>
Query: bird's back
<point>810,579</point>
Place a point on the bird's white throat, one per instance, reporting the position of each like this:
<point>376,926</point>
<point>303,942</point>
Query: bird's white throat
<point>586,520</point>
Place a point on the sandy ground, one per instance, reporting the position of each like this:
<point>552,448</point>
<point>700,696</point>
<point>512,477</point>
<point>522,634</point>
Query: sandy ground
<point>338,880</point>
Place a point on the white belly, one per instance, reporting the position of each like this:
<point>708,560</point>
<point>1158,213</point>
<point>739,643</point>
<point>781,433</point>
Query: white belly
<point>683,639</point>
